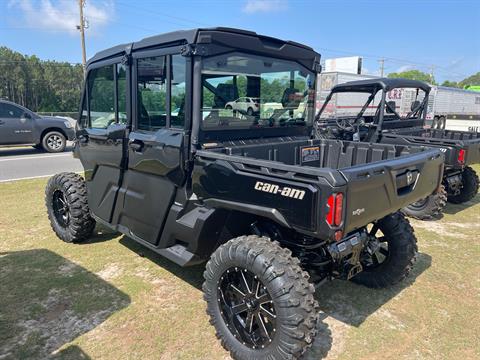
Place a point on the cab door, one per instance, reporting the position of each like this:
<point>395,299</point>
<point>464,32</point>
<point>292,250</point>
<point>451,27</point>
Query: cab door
<point>101,134</point>
<point>155,167</point>
<point>16,125</point>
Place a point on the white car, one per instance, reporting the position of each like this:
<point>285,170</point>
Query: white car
<point>246,105</point>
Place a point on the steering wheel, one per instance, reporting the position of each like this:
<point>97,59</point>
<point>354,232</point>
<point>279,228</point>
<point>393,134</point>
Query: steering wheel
<point>344,124</point>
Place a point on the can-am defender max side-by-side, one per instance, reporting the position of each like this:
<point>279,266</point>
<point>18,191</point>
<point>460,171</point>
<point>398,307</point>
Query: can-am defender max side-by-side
<point>393,111</point>
<point>271,211</point>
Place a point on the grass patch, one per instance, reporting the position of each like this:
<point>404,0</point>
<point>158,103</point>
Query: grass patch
<point>110,298</point>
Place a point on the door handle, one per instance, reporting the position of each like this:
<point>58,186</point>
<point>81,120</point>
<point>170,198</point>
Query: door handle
<point>2,122</point>
<point>136,145</point>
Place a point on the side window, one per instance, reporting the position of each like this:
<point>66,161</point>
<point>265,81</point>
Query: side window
<point>151,93</point>
<point>101,86</point>
<point>122,93</point>
<point>10,111</point>
<point>177,115</point>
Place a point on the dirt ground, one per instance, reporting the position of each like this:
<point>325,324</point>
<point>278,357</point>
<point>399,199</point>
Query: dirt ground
<point>110,298</point>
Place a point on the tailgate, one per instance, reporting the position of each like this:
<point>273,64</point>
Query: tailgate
<point>472,152</point>
<point>380,188</point>
<point>450,145</point>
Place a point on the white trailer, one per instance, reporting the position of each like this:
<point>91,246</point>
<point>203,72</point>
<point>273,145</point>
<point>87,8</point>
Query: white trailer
<point>449,108</point>
<point>454,109</point>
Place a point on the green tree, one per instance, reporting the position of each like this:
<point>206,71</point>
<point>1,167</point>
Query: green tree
<point>471,80</point>
<point>449,83</point>
<point>413,75</point>
<point>39,85</point>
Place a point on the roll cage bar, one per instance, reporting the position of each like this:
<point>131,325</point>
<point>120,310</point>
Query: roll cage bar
<point>373,86</point>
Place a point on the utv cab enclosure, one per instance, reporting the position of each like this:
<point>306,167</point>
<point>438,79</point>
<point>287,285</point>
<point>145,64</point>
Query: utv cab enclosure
<point>171,165</point>
<point>393,111</point>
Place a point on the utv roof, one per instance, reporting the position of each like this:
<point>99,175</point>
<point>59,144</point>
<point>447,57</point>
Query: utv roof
<point>371,85</point>
<point>220,35</point>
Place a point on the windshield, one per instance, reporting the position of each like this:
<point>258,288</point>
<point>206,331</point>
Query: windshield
<point>241,91</point>
<point>402,102</point>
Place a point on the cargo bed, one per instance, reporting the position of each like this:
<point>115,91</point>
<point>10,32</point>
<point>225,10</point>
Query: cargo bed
<point>450,142</point>
<point>391,175</point>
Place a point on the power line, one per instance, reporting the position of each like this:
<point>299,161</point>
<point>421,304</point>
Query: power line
<point>396,60</point>
<point>41,63</point>
<point>156,12</point>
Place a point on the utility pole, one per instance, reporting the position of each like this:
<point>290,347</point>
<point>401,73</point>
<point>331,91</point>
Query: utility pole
<point>432,69</point>
<point>382,66</point>
<point>81,28</point>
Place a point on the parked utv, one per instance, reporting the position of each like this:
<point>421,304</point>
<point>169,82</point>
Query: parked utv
<point>269,209</point>
<point>393,111</point>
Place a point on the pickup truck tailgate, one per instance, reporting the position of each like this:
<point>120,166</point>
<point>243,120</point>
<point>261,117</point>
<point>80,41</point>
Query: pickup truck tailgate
<point>380,188</point>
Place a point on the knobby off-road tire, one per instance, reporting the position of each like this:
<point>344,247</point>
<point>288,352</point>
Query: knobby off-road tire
<point>397,260</point>
<point>469,187</point>
<point>282,281</point>
<point>67,207</point>
<point>321,344</point>
<point>429,208</point>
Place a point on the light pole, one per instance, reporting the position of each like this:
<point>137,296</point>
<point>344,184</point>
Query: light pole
<point>81,28</point>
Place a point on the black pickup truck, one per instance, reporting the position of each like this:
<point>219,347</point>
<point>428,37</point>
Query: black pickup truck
<point>392,111</point>
<point>271,211</point>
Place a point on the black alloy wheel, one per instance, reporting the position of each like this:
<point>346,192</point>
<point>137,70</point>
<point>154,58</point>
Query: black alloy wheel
<point>61,210</point>
<point>247,308</point>
<point>389,255</point>
<point>377,252</point>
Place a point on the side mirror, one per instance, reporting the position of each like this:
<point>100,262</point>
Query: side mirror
<point>25,116</point>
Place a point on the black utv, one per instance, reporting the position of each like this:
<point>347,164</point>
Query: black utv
<point>271,210</point>
<point>393,111</point>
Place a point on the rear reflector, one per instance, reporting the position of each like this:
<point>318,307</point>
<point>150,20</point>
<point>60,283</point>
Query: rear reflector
<point>338,235</point>
<point>335,209</point>
<point>338,209</point>
<point>461,156</point>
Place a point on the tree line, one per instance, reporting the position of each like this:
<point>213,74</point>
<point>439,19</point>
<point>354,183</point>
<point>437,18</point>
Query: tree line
<point>421,76</point>
<point>40,85</point>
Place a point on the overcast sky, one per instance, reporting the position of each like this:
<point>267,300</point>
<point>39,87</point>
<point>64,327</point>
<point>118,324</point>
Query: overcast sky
<point>410,34</point>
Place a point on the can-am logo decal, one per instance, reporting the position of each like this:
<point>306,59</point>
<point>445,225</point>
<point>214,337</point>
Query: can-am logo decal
<point>275,189</point>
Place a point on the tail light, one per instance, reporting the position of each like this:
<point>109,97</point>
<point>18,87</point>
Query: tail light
<point>331,209</point>
<point>338,209</point>
<point>335,209</point>
<point>461,156</point>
